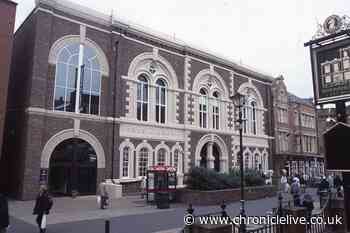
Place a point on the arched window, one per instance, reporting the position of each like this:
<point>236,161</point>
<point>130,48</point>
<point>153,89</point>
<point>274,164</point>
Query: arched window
<point>142,98</point>
<point>246,161</point>
<point>161,158</point>
<point>203,108</point>
<point>177,161</point>
<point>125,164</point>
<point>143,162</point>
<point>253,118</point>
<point>66,82</point>
<point>256,162</point>
<point>216,110</point>
<point>161,101</point>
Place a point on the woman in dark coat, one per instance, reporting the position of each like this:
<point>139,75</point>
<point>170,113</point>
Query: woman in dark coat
<point>42,207</point>
<point>4,214</point>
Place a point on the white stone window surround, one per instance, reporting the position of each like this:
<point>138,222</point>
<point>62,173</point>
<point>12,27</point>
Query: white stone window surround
<point>253,93</point>
<point>80,39</point>
<point>142,100</point>
<point>150,161</point>
<point>126,143</point>
<point>162,146</point>
<point>212,82</point>
<point>159,104</point>
<point>162,69</point>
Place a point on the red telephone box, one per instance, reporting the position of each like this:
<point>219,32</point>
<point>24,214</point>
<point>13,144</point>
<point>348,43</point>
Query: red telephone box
<point>161,180</point>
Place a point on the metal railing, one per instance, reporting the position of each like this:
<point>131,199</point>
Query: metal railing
<point>269,228</point>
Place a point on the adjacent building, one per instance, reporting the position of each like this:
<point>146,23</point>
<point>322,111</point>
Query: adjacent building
<point>94,98</point>
<point>296,136</point>
<point>7,23</point>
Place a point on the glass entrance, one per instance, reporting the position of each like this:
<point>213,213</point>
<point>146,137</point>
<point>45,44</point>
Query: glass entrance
<point>73,168</point>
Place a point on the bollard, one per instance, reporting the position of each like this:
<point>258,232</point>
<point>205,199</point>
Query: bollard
<point>190,211</point>
<point>107,226</point>
<point>223,209</point>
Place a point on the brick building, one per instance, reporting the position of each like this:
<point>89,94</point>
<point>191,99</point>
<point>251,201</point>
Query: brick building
<point>7,22</point>
<point>296,138</point>
<point>143,99</point>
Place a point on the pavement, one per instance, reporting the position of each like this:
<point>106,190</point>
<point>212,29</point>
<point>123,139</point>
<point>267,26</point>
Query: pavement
<point>126,215</point>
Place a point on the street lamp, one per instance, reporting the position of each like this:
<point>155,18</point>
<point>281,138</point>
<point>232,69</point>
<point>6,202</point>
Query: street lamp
<point>239,101</point>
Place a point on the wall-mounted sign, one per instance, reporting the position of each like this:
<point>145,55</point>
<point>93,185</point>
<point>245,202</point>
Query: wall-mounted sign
<point>331,70</point>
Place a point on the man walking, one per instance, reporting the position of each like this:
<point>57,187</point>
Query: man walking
<point>42,208</point>
<point>4,214</point>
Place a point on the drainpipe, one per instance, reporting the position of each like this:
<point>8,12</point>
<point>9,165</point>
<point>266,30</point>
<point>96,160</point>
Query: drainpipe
<point>114,109</point>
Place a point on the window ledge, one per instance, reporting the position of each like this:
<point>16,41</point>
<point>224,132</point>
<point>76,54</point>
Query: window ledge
<point>126,180</point>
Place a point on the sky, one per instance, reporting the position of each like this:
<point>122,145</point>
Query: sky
<point>268,35</point>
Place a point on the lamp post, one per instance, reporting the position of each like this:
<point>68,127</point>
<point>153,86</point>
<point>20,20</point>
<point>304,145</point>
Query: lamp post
<point>239,101</point>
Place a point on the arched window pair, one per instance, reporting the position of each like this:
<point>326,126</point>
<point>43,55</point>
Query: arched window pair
<point>250,117</point>
<point>209,104</point>
<point>126,165</point>
<point>143,99</point>
<point>76,62</point>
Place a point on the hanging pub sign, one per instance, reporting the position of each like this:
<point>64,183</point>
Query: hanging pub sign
<point>330,60</point>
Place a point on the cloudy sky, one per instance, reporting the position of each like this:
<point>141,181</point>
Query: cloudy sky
<point>268,35</point>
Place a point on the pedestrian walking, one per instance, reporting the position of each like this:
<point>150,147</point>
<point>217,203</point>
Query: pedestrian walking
<point>43,205</point>
<point>284,182</point>
<point>4,214</point>
<point>295,191</point>
<point>104,196</point>
<point>323,190</point>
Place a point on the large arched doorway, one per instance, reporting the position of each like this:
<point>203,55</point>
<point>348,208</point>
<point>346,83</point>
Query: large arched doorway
<point>204,160</point>
<point>73,168</point>
<point>210,150</point>
<point>216,155</point>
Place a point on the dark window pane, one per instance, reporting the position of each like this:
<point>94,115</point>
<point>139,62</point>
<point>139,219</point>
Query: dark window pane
<point>205,120</point>
<point>139,88</point>
<point>70,100</point>
<point>95,102</point>
<point>61,74</point>
<point>163,96</point>
<point>162,115</point>
<point>96,82</point>
<point>144,113</point>
<point>86,80</point>
<point>157,113</point>
<point>201,120</point>
<point>84,102</point>
<point>138,111</point>
<point>72,76</point>
<point>59,98</point>
<point>157,95</point>
<point>145,92</point>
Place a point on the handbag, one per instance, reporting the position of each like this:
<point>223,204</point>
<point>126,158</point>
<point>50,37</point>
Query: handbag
<point>43,222</point>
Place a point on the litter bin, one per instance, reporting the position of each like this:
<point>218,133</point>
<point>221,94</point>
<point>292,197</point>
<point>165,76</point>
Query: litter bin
<point>162,200</point>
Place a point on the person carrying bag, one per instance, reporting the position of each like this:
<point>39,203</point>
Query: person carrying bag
<point>43,205</point>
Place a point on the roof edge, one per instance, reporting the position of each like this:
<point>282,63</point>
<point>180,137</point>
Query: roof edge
<point>104,19</point>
